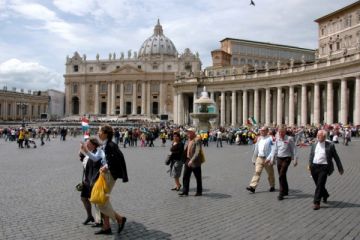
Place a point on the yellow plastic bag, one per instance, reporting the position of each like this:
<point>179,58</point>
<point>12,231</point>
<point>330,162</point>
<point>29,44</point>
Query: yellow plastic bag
<point>99,193</point>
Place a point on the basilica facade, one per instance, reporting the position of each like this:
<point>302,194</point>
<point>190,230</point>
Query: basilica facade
<point>138,84</point>
<point>290,90</point>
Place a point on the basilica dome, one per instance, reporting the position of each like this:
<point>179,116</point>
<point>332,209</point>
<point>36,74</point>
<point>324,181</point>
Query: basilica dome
<point>157,44</point>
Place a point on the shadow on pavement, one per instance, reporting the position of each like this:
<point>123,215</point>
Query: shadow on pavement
<point>340,204</point>
<point>217,195</point>
<point>135,230</point>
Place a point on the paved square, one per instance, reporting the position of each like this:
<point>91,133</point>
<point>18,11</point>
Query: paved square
<point>38,199</point>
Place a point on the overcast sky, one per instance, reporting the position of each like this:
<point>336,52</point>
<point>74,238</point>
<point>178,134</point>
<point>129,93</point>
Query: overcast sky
<point>36,35</point>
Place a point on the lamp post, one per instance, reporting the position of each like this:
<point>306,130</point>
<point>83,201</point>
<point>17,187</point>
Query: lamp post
<point>22,107</point>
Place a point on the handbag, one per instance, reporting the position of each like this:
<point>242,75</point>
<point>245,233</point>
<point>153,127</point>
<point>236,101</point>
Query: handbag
<point>99,193</point>
<point>168,159</point>
<point>201,156</point>
<point>80,185</point>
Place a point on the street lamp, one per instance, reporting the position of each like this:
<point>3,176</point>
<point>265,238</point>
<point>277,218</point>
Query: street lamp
<point>22,107</point>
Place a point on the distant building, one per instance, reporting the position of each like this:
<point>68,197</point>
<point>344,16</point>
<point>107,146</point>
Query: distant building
<point>339,32</point>
<point>56,107</point>
<point>15,105</point>
<point>131,84</point>
<point>240,52</point>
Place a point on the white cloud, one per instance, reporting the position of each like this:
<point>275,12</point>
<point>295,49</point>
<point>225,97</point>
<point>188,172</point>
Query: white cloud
<point>49,21</point>
<point>33,11</point>
<point>29,75</point>
<point>78,8</point>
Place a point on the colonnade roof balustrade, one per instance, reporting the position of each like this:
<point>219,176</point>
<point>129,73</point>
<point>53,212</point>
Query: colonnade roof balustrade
<point>244,73</point>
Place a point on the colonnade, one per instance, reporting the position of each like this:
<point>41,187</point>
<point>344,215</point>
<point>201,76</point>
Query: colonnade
<point>15,110</point>
<point>319,102</point>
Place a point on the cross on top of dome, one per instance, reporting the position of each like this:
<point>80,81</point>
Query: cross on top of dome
<point>158,28</point>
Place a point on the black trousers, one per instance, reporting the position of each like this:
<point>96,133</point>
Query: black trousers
<point>319,173</point>
<point>186,178</point>
<point>282,166</point>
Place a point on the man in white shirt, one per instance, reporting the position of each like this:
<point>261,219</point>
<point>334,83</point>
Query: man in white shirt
<point>262,159</point>
<point>321,166</point>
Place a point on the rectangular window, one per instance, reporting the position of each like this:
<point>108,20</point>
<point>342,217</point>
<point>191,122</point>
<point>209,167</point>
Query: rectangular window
<point>76,68</point>
<point>75,88</point>
<point>117,88</point>
<point>91,69</point>
<point>155,88</point>
<point>128,88</point>
<point>103,87</point>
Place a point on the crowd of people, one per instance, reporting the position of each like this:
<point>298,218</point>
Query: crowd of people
<point>100,154</point>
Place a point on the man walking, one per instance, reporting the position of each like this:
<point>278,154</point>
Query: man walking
<point>262,159</point>
<point>321,166</point>
<point>192,163</point>
<point>284,152</point>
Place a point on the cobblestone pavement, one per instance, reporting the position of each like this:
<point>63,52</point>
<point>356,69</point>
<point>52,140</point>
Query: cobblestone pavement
<point>38,200</point>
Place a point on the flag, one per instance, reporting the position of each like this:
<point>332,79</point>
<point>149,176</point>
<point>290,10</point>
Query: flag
<point>85,127</point>
<point>84,123</point>
<point>251,121</point>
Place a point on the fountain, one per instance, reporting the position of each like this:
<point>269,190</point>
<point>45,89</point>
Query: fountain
<point>204,111</point>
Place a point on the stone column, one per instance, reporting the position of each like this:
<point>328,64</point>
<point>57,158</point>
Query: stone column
<point>291,106</point>
<point>357,101</point>
<point>267,106</point>
<point>250,104</point>
<point>279,111</point>
<point>344,102</point>
<point>175,108</point>
<point>330,103</point>
<point>161,98</point>
<point>222,109</point>
<point>245,107</point>
<point>134,98</point>
<point>113,97</point>
<point>108,105</point>
<point>303,105</point>
<point>194,97</point>
<point>96,99</point>
<point>256,105</point>
<point>233,108</point>
<point>316,103</point>
<point>122,99</point>
<point>262,104</point>
<point>286,106</point>
<point>239,108</point>
<point>212,96</point>
<point>83,99</point>
<point>67,100</point>
<point>5,115</point>
<point>227,109</point>
<point>143,97</point>
<point>148,99</point>
<point>180,109</point>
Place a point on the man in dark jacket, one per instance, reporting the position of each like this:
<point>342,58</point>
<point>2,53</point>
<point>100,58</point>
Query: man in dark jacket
<point>321,166</point>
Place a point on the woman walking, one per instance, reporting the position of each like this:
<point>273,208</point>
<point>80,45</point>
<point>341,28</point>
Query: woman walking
<point>177,160</point>
<point>93,157</point>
